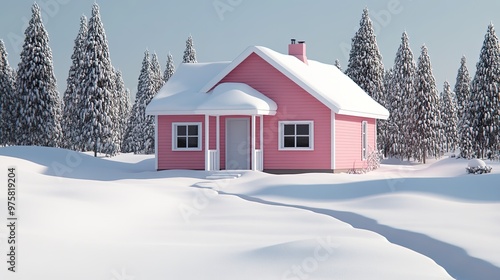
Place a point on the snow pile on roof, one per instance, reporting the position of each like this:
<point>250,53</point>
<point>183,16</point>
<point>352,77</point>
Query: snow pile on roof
<point>323,81</point>
<point>182,95</point>
<point>238,98</point>
<point>184,86</point>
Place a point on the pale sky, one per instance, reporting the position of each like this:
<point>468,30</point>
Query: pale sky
<point>449,28</point>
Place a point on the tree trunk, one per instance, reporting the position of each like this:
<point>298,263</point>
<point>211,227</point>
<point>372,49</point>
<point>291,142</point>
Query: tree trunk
<point>95,147</point>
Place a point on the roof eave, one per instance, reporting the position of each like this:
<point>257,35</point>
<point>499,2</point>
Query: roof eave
<point>228,112</point>
<point>363,114</point>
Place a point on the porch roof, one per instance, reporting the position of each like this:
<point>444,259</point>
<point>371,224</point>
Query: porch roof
<point>179,97</point>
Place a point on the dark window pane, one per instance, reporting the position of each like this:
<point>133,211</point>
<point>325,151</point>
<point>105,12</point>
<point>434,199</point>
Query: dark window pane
<point>302,142</point>
<point>181,142</point>
<point>181,130</point>
<point>289,142</point>
<point>193,130</point>
<point>289,129</point>
<point>302,129</point>
<point>192,142</point>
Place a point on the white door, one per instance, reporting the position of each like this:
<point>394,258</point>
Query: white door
<point>237,144</point>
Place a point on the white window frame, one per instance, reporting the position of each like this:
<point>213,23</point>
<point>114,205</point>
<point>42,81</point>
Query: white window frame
<point>364,140</point>
<point>174,136</point>
<point>281,136</point>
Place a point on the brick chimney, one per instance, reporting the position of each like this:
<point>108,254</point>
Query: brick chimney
<point>298,50</point>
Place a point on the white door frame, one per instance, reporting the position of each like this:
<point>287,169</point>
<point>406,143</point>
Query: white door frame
<point>247,162</point>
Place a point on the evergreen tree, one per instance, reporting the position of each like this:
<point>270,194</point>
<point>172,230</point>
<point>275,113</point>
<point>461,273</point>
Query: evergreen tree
<point>462,88</point>
<point>426,113</point>
<point>449,120</point>
<point>466,132</point>
<point>123,107</point>
<point>99,91</point>
<point>157,78</point>
<point>189,52</point>
<point>383,126</point>
<point>465,129</point>
<point>337,64</point>
<point>140,129</point>
<point>144,132</point>
<point>71,123</point>
<point>7,99</point>
<point>485,114</point>
<point>170,69</point>
<point>401,101</point>
<point>131,142</point>
<point>128,144</point>
<point>388,87</point>
<point>38,105</point>
<point>365,66</point>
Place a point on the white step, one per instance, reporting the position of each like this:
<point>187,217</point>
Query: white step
<point>224,176</point>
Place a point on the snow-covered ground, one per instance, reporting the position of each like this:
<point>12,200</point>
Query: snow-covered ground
<point>94,218</point>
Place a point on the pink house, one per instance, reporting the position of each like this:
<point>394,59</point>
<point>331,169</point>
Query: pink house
<point>264,111</point>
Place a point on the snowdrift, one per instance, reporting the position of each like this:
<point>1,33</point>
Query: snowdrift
<point>100,218</point>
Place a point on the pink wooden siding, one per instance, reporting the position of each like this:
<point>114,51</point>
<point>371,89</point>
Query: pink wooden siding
<point>348,141</point>
<point>168,159</point>
<point>293,104</point>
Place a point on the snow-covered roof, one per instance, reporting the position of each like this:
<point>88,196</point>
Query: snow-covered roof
<point>182,94</point>
<point>187,89</point>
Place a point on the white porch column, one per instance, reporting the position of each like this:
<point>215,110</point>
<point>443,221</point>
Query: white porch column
<point>207,142</point>
<point>217,136</point>
<point>254,164</point>
<point>261,146</point>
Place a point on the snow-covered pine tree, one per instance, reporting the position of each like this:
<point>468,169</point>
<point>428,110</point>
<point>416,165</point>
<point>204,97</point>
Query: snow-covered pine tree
<point>383,126</point>
<point>189,52</point>
<point>402,101</point>
<point>462,87</point>
<point>38,105</point>
<point>388,87</point>
<point>170,68</point>
<point>425,116</point>
<point>128,144</point>
<point>123,107</point>
<point>134,136</point>
<point>337,64</point>
<point>365,66</point>
<point>144,132</point>
<point>7,99</point>
<point>99,92</point>
<point>71,123</point>
<point>466,132</point>
<point>484,96</point>
<point>449,120</point>
<point>157,77</point>
<point>464,110</point>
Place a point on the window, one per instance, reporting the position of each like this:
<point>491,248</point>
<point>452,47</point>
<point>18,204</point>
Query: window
<point>186,136</point>
<point>364,140</point>
<point>296,135</point>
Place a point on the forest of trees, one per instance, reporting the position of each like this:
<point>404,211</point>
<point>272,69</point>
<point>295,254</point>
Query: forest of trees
<point>424,123</point>
<point>95,112</point>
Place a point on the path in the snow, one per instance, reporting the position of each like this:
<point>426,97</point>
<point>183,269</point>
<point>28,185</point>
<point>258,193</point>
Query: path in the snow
<point>455,260</point>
